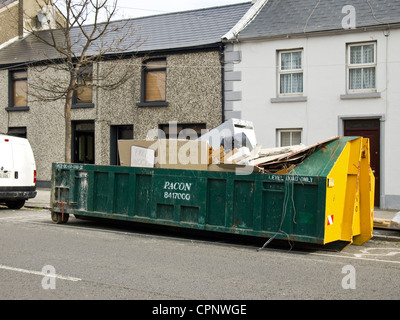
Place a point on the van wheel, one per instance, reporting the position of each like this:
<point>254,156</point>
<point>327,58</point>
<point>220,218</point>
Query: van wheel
<point>15,204</point>
<point>58,218</point>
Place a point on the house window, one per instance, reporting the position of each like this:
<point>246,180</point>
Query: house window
<point>154,76</point>
<point>83,93</point>
<point>188,131</point>
<point>361,67</point>
<point>19,88</point>
<point>289,137</point>
<point>290,72</point>
<point>17,132</point>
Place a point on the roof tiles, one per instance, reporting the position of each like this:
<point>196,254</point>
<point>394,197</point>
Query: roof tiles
<point>171,31</point>
<point>288,17</point>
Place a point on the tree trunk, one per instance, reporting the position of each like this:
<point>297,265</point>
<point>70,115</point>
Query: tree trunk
<point>68,129</point>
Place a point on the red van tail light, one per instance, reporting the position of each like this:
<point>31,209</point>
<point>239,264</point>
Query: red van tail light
<point>34,176</point>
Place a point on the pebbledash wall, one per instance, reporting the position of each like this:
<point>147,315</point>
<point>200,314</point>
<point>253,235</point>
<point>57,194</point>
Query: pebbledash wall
<point>193,93</point>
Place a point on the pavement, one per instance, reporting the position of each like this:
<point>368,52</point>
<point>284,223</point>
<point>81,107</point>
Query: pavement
<point>42,200</point>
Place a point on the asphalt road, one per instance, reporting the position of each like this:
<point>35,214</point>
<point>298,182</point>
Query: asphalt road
<point>95,260</point>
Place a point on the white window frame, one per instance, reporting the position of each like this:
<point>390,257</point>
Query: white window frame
<point>360,66</point>
<point>290,71</point>
<point>291,131</point>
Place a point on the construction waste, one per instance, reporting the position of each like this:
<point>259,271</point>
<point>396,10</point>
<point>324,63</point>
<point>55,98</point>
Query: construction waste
<point>227,147</point>
<point>393,224</point>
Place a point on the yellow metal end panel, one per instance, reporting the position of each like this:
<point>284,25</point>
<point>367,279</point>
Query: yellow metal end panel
<point>335,197</point>
<point>349,195</point>
<point>367,189</point>
<point>352,205</point>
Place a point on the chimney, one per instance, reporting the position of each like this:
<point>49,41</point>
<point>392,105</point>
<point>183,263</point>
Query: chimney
<point>21,18</point>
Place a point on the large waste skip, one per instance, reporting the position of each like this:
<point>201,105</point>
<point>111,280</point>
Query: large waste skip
<point>327,199</point>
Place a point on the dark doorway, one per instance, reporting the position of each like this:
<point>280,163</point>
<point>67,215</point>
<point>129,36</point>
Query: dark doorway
<point>118,132</point>
<point>368,128</point>
<point>83,142</point>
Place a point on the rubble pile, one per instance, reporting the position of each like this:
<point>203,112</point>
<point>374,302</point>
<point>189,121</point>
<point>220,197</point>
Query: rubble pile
<point>280,160</point>
<point>227,147</point>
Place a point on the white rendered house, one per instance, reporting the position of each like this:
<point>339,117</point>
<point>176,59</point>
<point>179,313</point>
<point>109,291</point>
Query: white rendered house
<point>304,71</point>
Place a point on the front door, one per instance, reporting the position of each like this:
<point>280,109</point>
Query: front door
<point>118,132</point>
<point>83,146</point>
<point>369,128</point>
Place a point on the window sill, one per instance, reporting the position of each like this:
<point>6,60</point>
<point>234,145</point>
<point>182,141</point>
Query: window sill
<point>289,99</point>
<point>17,108</point>
<point>153,104</point>
<point>364,95</point>
<point>82,105</point>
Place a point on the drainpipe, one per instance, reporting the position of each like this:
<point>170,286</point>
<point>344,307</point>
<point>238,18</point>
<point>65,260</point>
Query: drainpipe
<point>222,60</point>
<point>382,143</point>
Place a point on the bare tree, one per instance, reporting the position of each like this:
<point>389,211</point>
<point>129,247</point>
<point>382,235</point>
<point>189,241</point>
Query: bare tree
<point>74,47</point>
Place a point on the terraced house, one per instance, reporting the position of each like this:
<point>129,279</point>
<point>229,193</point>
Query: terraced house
<point>309,70</point>
<point>177,68</point>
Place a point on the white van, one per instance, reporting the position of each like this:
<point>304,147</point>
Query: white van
<point>17,171</point>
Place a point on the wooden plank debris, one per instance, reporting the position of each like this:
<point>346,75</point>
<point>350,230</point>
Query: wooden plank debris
<point>280,160</point>
<point>380,223</point>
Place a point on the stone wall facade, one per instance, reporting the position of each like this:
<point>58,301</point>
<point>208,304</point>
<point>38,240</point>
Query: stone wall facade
<point>193,93</point>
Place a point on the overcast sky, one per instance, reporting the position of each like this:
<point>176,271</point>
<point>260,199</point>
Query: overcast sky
<point>136,8</point>
<point>140,8</point>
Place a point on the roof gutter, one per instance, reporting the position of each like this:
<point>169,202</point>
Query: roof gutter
<point>111,56</point>
<point>320,33</point>
<point>250,15</point>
